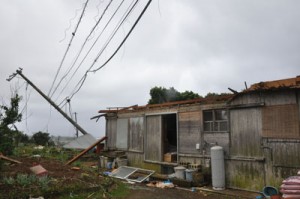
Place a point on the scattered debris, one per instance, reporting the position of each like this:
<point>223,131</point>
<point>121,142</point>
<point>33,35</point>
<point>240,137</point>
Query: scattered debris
<point>82,142</point>
<point>75,168</point>
<point>39,170</point>
<point>9,159</point>
<point>36,156</point>
<point>39,147</point>
<point>131,173</point>
<point>86,150</point>
<point>158,184</point>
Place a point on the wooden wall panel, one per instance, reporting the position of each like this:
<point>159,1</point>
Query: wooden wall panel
<point>111,133</point>
<point>281,121</point>
<point>248,175</point>
<point>189,128</point>
<point>153,145</point>
<point>122,133</point>
<point>136,134</point>
<point>245,129</point>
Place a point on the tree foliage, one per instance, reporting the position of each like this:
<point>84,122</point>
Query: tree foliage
<point>9,134</point>
<point>161,95</point>
<point>41,138</point>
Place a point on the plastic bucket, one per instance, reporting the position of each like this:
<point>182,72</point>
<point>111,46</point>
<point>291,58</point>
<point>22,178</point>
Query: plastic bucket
<point>270,191</point>
<point>189,174</point>
<point>180,172</point>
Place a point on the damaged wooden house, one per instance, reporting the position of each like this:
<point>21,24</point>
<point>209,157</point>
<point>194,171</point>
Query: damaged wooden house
<point>257,128</point>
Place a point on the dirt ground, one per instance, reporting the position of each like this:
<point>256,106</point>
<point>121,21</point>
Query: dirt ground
<point>140,191</point>
<point>57,169</point>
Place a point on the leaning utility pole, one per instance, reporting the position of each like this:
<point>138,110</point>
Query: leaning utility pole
<point>76,122</point>
<point>19,72</point>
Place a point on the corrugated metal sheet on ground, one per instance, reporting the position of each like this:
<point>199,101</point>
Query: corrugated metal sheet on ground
<point>81,142</point>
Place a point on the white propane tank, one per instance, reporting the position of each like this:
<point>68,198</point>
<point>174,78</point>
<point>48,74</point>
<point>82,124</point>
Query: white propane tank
<point>217,168</point>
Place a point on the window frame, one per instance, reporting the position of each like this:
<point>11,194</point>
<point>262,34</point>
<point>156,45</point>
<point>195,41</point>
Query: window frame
<point>215,124</point>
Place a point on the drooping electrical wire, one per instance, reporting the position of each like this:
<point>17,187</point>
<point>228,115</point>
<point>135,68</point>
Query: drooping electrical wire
<point>70,24</point>
<point>69,45</point>
<point>90,49</point>
<point>82,80</point>
<point>81,49</point>
<point>136,22</point>
<point>115,52</point>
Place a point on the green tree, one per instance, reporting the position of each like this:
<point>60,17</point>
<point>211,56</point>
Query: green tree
<point>9,115</point>
<point>41,138</point>
<point>161,95</point>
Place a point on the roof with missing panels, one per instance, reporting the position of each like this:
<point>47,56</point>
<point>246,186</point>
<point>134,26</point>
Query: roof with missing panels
<point>277,84</point>
<point>214,99</point>
<point>291,83</point>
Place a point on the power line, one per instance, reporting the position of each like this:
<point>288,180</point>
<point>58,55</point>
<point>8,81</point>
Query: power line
<point>70,24</point>
<point>69,45</point>
<point>81,49</point>
<point>82,80</point>
<point>76,70</point>
<point>136,22</point>
<point>118,48</point>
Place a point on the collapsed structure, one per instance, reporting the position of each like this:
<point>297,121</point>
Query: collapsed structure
<point>258,129</point>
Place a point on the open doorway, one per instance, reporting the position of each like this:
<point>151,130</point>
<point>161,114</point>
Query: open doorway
<point>169,133</point>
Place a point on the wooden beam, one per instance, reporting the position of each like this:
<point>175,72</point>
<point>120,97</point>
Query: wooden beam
<point>9,159</point>
<point>86,150</point>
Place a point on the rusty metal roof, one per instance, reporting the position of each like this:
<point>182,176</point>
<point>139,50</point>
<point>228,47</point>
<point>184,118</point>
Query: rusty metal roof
<point>277,84</point>
<point>290,83</point>
<point>208,100</point>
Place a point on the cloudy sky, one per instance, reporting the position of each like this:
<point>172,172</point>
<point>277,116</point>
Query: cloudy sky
<point>203,46</point>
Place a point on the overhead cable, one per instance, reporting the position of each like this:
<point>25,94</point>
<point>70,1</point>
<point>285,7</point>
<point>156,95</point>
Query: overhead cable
<point>82,80</point>
<point>81,49</point>
<point>136,22</point>
<point>76,70</point>
<point>67,50</point>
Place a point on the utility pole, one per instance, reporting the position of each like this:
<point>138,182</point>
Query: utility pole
<point>76,122</point>
<point>19,72</point>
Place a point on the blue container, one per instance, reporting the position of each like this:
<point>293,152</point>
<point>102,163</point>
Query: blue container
<point>109,165</point>
<point>270,191</point>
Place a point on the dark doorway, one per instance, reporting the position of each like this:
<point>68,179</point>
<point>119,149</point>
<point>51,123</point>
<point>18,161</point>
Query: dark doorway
<point>169,133</point>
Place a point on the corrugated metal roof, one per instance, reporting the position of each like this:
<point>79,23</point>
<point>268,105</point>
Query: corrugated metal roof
<point>208,100</point>
<point>277,84</point>
<point>290,83</point>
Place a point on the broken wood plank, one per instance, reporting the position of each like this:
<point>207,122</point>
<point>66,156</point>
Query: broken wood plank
<point>9,159</point>
<point>86,150</point>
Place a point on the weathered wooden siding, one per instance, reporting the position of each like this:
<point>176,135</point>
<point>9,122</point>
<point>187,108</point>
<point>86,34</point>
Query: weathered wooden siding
<point>122,133</point>
<point>245,174</point>
<point>282,158</point>
<point>137,160</point>
<point>220,139</point>
<point>153,145</point>
<point>136,134</point>
<point>281,121</point>
<point>111,133</point>
<point>189,127</point>
<point>278,98</point>
<point>245,129</point>
<point>250,98</point>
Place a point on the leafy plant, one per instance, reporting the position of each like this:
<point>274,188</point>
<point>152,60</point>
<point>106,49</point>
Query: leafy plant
<point>9,115</point>
<point>44,182</point>
<point>25,180</point>
<point>8,180</point>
